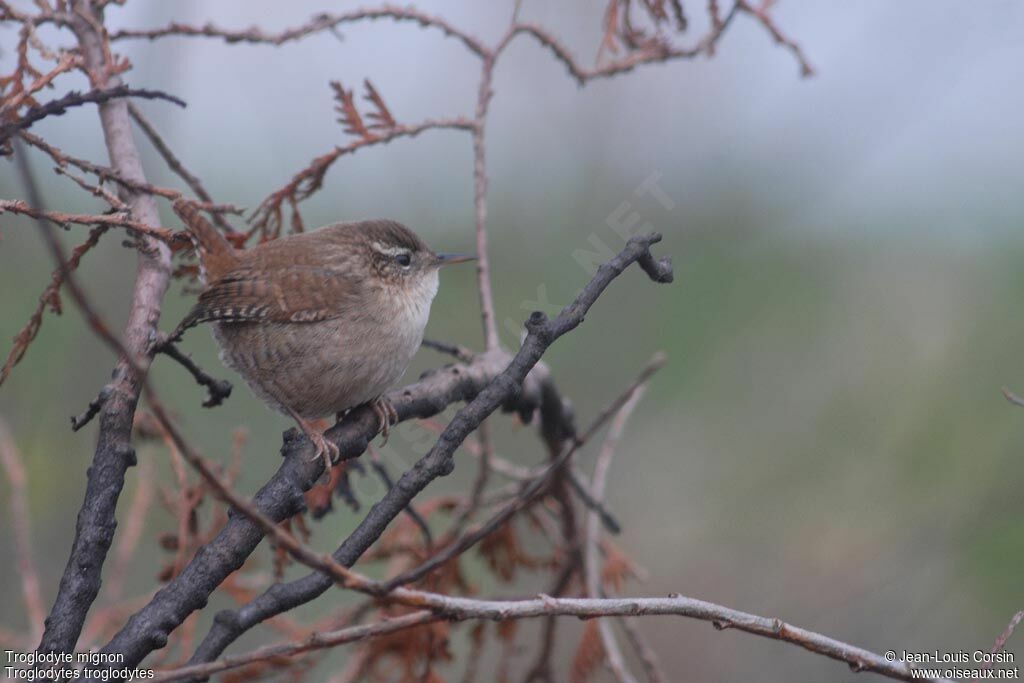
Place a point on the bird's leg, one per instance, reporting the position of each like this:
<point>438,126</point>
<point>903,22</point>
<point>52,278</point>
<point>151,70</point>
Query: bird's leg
<point>386,416</point>
<point>324,448</point>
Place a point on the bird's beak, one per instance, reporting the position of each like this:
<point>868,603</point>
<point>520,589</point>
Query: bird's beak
<point>448,259</point>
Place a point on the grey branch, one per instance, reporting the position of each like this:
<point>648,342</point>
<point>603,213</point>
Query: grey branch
<point>460,609</point>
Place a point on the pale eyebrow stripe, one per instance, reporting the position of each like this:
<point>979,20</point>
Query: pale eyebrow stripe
<point>389,251</point>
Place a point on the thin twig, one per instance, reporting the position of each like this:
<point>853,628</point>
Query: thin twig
<point>175,164</point>
<point>1000,643</point>
<point>483,267</point>
<point>50,298</point>
<point>117,220</point>
<point>74,99</point>
<point>217,389</point>
<point>530,492</point>
<point>410,509</point>
<point>317,24</point>
<point>761,13</point>
<point>612,652</point>
<point>91,410</point>
<point>1012,397</point>
<point>66,63</point>
<point>455,350</point>
<point>459,609</point>
<point>649,659</point>
<point>105,173</point>
<point>14,469</point>
<point>267,218</point>
<point>608,520</point>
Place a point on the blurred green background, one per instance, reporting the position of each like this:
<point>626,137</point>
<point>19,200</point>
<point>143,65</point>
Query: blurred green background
<point>828,443</point>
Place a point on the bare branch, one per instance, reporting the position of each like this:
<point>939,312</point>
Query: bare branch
<point>530,492</point>
<point>114,453</point>
<point>652,668</point>
<point>460,609</point>
<point>761,14</point>
<point>120,220</point>
<point>74,99</point>
<point>50,298</point>
<point>483,261</point>
<point>104,173</point>
<point>613,654</point>
<point>318,24</point>
<point>66,63</point>
<point>217,389</point>
<point>1000,643</point>
<point>175,164</point>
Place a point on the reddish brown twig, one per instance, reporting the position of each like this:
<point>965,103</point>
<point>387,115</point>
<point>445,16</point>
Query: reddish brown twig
<point>267,220</point>
<point>172,161</point>
<point>50,298</point>
<point>380,115</point>
<point>105,173</point>
<point>67,63</point>
<point>765,19</point>
<point>318,24</point>
<point>1000,643</point>
<point>118,220</point>
<point>14,469</point>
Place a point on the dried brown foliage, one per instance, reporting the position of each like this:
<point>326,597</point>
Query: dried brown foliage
<point>589,654</point>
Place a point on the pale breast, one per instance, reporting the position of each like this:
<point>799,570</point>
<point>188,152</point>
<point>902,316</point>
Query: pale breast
<point>322,368</point>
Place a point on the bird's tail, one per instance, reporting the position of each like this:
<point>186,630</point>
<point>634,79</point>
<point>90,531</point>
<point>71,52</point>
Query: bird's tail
<point>216,255</point>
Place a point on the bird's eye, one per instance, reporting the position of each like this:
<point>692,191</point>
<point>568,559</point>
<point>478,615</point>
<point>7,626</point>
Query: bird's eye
<point>403,260</point>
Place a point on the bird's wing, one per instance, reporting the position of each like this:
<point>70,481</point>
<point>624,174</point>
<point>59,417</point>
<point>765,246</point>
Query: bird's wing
<point>290,294</point>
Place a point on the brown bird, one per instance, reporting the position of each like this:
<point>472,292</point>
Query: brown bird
<point>318,322</point>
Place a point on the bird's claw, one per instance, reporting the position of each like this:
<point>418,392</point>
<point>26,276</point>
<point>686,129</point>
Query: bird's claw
<point>325,449</point>
<point>386,416</point>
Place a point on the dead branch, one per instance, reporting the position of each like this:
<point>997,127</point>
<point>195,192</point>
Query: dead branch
<point>114,453</point>
<point>75,99</point>
<point>612,653</point>
<point>105,173</point>
<point>50,298</point>
<point>529,492</point>
<point>318,24</point>
<point>175,164</point>
<point>460,609</point>
<point>120,220</point>
<point>217,389</point>
<point>267,219</point>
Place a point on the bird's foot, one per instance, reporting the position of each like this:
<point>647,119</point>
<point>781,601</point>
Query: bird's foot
<point>386,416</point>
<point>324,448</point>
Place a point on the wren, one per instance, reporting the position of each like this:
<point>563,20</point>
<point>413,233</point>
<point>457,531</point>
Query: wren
<point>318,322</point>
